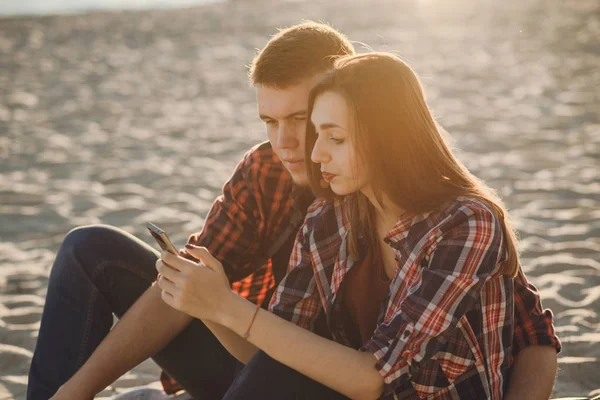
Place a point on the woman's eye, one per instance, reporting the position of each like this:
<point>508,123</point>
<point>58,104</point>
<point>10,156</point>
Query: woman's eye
<point>337,141</point>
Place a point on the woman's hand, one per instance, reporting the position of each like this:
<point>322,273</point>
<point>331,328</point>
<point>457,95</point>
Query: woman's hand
<point>197,289</point>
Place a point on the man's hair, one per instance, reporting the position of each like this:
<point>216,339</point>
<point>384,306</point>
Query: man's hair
<point>297,53</point>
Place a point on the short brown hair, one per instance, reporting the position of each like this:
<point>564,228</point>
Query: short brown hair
<point>298,52</point>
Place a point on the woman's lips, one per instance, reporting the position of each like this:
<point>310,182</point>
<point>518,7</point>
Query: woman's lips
<point>327,176</point>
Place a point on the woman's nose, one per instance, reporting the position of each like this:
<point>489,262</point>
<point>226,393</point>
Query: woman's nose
<point>319,154</point>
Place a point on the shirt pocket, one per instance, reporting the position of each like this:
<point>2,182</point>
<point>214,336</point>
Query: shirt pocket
<point>451,357</point>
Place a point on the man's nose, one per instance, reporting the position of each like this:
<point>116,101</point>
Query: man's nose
<point>318,154</point>
<point>286,137</point>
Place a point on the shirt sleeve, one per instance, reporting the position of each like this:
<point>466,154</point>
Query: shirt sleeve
<point>297,298</point>
<point>461,258</point>
<point>231,228</point>
<point>533,324</point>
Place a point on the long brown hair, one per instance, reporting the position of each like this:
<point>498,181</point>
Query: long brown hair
<point>399,142</point>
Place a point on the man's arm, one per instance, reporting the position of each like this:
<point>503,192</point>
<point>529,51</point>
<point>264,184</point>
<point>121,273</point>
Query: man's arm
<point>533,373</point>
<point>148,318</point>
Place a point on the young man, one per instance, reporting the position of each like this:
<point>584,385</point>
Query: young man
<point>251,227</point>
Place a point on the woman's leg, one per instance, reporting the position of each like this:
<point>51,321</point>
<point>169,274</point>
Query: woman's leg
<point>265,378</point>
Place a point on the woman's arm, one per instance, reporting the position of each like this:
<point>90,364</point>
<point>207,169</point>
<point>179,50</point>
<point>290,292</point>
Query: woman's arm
<point>341,368</point>
<point>532,375</point>
<point>237,346</point>
<point>203,292</point>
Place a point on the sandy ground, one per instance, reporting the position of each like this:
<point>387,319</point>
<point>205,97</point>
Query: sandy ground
<point>91,104</point>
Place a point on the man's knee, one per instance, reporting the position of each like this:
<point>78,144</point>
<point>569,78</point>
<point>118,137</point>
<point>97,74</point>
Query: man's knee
<point>83,245</point>
<point>87,239</point>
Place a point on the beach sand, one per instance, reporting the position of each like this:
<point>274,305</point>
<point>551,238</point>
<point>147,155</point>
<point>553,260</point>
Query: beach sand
<point>125,117</point>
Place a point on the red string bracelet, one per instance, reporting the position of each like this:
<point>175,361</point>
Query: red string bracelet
<point>247,334</point>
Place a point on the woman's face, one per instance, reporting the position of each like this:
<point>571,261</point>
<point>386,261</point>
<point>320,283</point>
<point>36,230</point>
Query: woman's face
<point>334,148</point>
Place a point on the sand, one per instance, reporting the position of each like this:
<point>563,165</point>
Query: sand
<point>91,106</point>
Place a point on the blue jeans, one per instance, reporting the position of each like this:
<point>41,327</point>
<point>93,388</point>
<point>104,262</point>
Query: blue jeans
<point>100,271</point>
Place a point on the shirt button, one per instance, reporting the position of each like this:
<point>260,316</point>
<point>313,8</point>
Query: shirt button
<point>406,334</point>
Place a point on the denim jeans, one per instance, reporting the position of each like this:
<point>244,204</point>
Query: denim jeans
<point>100,271</point>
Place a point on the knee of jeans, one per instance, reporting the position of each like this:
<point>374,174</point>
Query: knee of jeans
<point>82,245</point>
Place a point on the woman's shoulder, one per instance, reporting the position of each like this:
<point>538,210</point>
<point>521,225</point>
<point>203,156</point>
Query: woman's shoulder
<point>467,210</point>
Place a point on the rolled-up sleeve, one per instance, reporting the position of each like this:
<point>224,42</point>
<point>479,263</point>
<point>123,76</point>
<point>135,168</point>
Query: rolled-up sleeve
<point>464,253</point>
<point>533,324</point>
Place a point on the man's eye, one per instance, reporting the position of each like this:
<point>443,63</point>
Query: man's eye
<point>299,118</point>
<point>270,122</point>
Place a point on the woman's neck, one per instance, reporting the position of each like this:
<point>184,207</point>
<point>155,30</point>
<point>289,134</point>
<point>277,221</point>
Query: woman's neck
<point>386,212</point>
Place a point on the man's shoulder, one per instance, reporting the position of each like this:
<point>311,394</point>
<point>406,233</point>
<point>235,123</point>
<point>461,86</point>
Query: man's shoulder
<point>261,154</point>
<point>262,173</point>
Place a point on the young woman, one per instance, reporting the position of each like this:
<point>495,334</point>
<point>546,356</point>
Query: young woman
<point>405,256</point>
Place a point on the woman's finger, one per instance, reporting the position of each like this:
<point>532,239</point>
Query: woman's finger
<point>166,285</point>
<point>202,254</point>
<point>165,270</point>
<point>167,298</point>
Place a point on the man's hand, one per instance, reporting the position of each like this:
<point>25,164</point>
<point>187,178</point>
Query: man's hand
<point>197,289</point>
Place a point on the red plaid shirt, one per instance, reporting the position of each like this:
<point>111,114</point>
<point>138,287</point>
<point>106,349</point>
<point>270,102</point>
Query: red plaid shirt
<point>259,210</point>
<point>446,329</point>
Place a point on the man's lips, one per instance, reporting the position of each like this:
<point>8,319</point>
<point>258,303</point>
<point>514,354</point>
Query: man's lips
<point>294,164</point>
<point>327,176</point>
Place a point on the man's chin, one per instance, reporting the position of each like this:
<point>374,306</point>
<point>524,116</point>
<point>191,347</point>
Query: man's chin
<point>300,179</point>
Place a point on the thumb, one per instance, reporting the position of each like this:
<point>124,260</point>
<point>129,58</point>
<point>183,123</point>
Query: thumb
<point>202,254</point>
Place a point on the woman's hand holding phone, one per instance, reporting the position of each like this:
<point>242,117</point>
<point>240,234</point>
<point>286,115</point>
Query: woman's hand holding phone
<point>200,290</point>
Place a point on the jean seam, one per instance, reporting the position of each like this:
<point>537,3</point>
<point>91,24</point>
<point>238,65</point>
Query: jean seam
<point>87,330</point>
<point>90,313</point>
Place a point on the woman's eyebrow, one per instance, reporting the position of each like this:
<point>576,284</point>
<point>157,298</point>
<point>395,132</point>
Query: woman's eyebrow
<point>329,125</point>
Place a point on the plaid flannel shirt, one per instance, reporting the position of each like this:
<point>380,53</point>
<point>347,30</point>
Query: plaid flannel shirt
<point>445,330</point>
<point>260,208</point>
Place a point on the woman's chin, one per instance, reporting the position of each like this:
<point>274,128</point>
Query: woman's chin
<point>340,190</point>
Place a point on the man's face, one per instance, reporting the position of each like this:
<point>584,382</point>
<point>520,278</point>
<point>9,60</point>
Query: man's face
<point>284,112</point>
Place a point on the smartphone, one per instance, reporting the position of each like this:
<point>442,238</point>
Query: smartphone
<point>161,238</point>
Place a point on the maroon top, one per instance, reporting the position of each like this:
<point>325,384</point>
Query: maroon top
<point>366,287</point>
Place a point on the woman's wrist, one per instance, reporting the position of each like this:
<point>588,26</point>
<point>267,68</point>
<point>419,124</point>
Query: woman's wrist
<point>235,311</point>
<point>225,313</point>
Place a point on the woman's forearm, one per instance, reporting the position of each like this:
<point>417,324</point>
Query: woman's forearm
<point>341,368</point>
<point>237,346</point>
